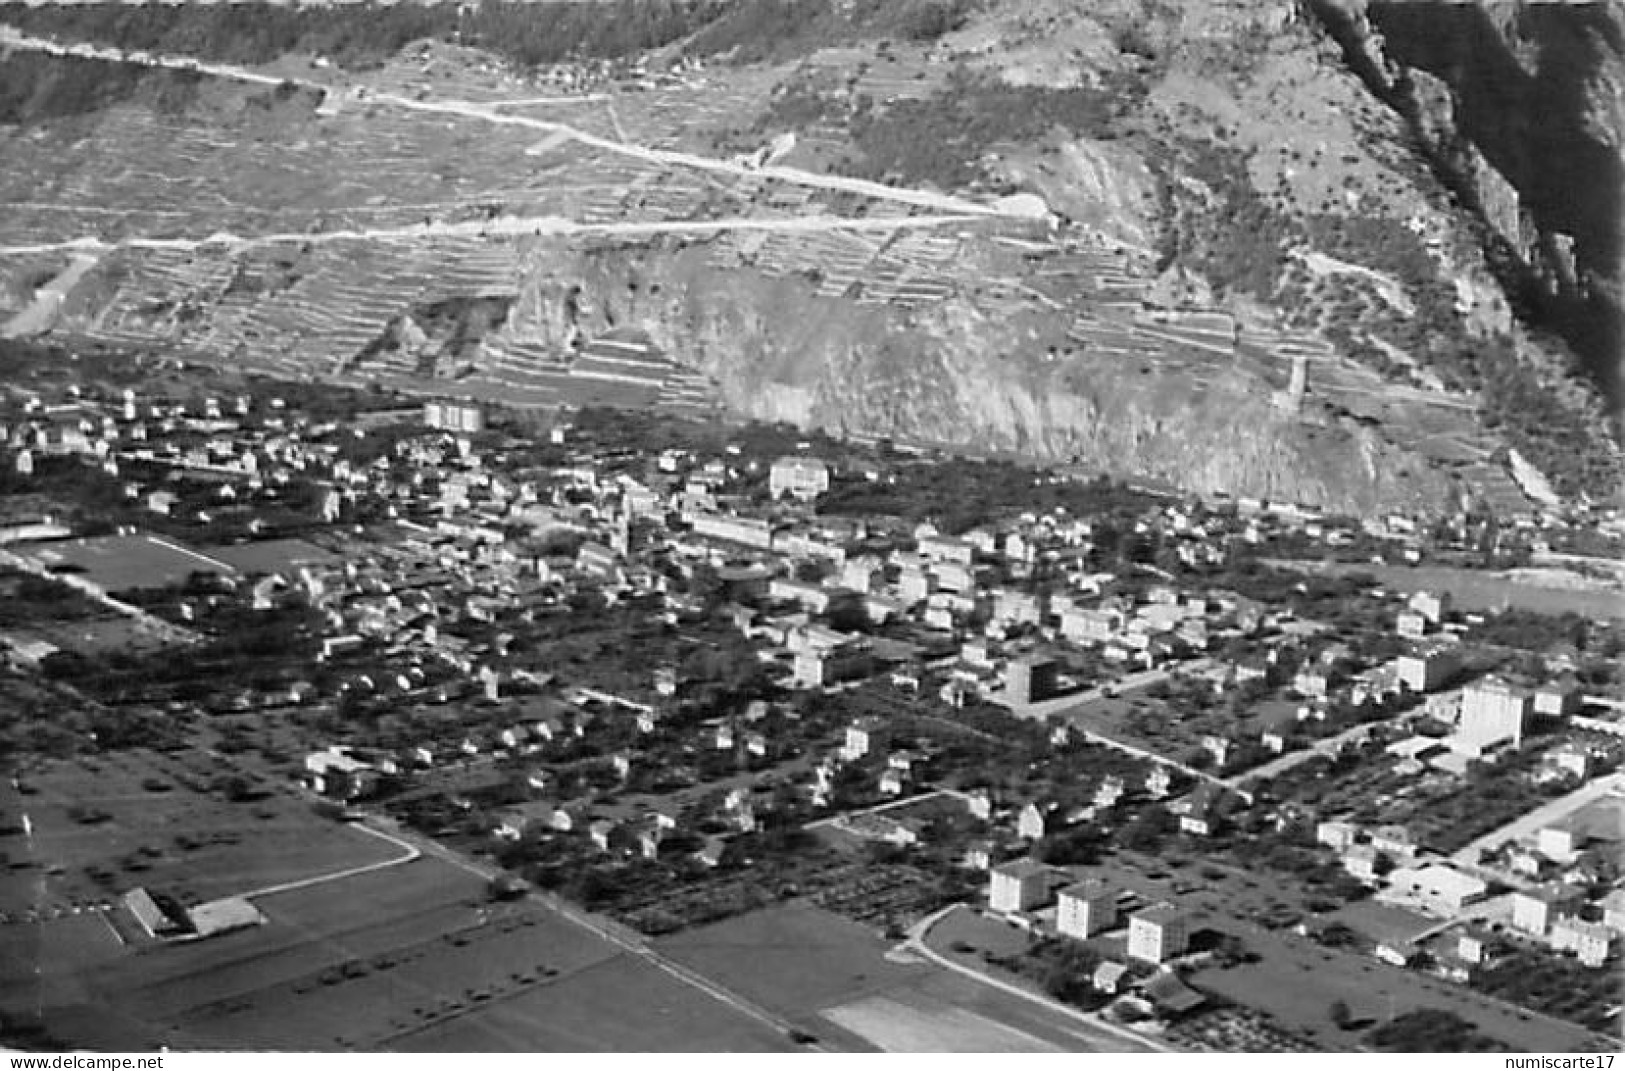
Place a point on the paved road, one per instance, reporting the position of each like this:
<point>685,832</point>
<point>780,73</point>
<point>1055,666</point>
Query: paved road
<point>13,38</point>
<point>1095,1028</point>
<point>409,852</point>
<point>156,625</point>
<point>1544,815</point>
<point>628,940</point>
<point>1064,705</point>
<point>502,227</point>
<point>1327,747</point>
<point>1067,707</point>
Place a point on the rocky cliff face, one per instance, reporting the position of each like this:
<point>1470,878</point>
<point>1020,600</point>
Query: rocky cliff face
<point>1520,108</point>
<point>954,375</point>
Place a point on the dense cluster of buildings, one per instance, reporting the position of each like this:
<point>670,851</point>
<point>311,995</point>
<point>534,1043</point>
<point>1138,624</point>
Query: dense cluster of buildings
<point>433,558</point>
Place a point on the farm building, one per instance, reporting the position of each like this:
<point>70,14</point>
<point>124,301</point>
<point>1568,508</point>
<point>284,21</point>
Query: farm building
<point>158,919</point>
<point>223,916</point>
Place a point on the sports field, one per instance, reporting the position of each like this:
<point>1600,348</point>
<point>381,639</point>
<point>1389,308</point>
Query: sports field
<point>271,555</point>
<point>123,563</point>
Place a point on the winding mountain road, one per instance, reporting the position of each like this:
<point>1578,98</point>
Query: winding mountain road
<point>11,37</point>
<point>501,227</point>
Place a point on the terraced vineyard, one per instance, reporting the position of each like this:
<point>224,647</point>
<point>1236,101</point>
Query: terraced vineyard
<point>290,218</point>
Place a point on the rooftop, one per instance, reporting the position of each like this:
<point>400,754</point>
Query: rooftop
<point>1160,915</point>
<point>1021,868</point>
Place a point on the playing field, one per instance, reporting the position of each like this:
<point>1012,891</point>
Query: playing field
<point>121,563</point>
<point>271,555</point>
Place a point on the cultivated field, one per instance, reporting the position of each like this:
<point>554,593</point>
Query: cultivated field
<point>623,1004</point>
<point>894,1026</point>
<point>92,636</point>
<point>412,956</point>
<point>840,982</point>
<point>107,824</point>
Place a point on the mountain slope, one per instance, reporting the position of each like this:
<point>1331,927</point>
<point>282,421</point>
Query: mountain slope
<point>1191,210</point>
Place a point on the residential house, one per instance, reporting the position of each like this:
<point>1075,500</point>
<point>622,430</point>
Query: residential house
<point>1109,976</point>
<point>1430,607</point>
<point>1570,760</point>
<point>863,737</point>
<point>1559,842</point>
<point>978,855</point>
<point>1475,946</point>
<point>1397,953</point>
<point>1109,791</point>
<point>1613,910</point>
<point>1590,941</point>
<point>1411,625</point>
<point>711,854</point>
<point>1535,909</point>
<point>1198,813</point>
<point>1394,841</point>
<point>1032,822</point>
<point>1557,699</point>
<point>979,804</point>
<point>1360,861</point>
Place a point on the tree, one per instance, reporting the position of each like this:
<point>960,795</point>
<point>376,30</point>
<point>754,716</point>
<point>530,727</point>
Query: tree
<point>1338,1012</point>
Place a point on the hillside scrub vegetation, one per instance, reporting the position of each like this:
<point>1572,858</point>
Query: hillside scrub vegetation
<point>943,138</point>
<point>37,88</point>
<point>762,31</point>
<point>366,34</point>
